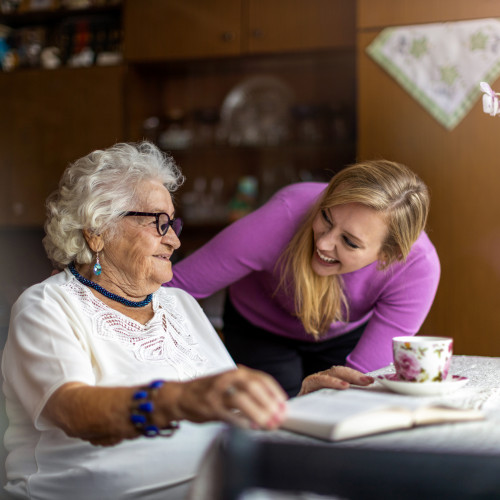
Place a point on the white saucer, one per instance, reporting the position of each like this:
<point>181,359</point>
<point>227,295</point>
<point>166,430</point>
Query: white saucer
<point>424,388</point>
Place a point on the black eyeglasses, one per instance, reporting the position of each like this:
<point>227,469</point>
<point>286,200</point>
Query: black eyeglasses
<point>163,221</point>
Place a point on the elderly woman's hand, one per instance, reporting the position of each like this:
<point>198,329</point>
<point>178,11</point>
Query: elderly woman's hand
<point>101,415</point>
<point>243,397</point>
<point>336,377</point>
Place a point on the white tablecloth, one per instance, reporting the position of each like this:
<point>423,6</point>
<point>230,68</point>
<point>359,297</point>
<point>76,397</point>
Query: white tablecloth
<point>468,438</point>
<point>483,437</point>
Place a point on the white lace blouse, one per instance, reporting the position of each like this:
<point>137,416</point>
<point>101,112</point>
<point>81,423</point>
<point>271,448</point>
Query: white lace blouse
<point>60,332</point>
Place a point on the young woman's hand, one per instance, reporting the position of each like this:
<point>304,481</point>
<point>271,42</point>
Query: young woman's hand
<point>336,377</point>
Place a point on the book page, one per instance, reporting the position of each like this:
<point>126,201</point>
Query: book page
<point>373,422</point>
<point>442,414</point>
<point>334,406</point>
<point>335,415</point>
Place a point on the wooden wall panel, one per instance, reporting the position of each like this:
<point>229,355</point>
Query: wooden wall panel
<point>462,170</point>
<point>48,119</point>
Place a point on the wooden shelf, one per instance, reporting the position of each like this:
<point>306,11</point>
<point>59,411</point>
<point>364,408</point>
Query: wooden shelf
<point>49,17</point>
<point>56,116</point>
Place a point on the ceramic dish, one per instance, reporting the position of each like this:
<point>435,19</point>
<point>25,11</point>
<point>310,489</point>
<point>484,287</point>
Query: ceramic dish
<point>392,383</point>
<point>257,112</point>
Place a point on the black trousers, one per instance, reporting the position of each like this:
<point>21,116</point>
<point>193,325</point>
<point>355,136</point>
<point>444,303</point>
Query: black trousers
<point>287,360</point>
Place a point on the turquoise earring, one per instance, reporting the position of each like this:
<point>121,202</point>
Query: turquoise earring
<point>97,266</point>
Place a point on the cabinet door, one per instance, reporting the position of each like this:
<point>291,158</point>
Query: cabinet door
<point>156,30</point>
<point>48,119</point>
<point>291,25</point>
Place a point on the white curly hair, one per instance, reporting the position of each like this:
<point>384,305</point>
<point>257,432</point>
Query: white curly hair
<point>95,191</point>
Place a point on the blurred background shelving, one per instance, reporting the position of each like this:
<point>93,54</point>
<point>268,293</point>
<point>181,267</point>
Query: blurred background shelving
<point>168,64</point>
<point>167,74</point>
<point>180,60</point>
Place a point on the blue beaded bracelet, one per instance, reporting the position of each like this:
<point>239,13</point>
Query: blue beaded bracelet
<point>142,409</point>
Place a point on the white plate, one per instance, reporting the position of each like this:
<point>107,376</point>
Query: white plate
<point>391,382</point>
<point>257,112</point>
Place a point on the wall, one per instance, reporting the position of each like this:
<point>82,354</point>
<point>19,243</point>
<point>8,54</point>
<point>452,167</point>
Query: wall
<point>460,167</point>
<point>23,264</point>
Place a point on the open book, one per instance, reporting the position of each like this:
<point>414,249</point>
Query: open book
<point>338,415</point>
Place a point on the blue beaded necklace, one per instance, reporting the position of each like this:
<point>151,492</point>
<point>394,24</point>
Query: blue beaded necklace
<point>107,294</point>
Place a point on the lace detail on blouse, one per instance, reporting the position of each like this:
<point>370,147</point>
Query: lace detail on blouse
<point>164,339</point>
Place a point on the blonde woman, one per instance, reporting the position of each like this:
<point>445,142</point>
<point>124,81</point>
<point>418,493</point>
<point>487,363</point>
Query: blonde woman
<point>323,274</point>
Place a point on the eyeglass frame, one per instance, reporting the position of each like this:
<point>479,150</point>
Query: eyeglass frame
<point>156,215</point>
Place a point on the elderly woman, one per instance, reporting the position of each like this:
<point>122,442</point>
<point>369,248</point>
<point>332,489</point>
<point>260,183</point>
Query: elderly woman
<point>101,354</point>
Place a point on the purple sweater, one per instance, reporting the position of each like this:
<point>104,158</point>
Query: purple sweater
<point>243,257</point>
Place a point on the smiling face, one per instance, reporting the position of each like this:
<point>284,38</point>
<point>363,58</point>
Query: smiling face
<point>346,238</point>
<point>137,259</point>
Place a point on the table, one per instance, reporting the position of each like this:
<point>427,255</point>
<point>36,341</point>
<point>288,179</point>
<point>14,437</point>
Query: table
<point>458,461</point>
<point>482,392</point>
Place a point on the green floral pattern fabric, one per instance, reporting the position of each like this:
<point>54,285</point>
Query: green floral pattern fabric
<point>441,64</point>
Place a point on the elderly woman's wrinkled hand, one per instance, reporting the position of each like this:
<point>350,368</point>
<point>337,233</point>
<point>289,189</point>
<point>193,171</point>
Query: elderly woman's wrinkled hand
<point>336,377</point>
<point>243,397</point>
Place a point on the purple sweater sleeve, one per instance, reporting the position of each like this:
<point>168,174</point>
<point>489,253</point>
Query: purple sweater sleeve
<point>254,243</point>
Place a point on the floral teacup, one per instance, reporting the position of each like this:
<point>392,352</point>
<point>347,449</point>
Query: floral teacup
<point>422,359</point>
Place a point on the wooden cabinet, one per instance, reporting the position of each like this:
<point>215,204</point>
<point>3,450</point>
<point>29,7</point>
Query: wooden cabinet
<point>322,77</point>
<point>460,167</point>
<point>51,117</point>
<point>179,55</point>
<point>48,119</point>
<point>298,25</point>
<point>158,30</point>
<point>199,51</point>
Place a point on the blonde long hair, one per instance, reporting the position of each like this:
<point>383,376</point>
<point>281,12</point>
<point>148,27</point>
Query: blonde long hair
<point>384,186</point>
